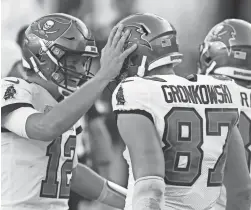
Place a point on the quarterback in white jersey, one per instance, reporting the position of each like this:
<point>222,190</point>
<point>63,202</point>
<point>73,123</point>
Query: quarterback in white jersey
<point>39,162</point>
<point>179,134</point>
<point>227,51</point>
<point>33,172</point>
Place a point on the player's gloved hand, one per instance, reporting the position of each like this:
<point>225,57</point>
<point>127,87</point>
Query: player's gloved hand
<point>113,54</point>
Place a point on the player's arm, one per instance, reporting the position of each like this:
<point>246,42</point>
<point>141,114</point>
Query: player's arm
<point>89,184</point>
<point>48,126</point>
<point>135,120</point>
<point>236,179</point>
<point>140,136</point>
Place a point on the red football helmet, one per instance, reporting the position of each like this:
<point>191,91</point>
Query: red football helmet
<point>52,46</point>
<point>156,41</point>
<point>227,50</point>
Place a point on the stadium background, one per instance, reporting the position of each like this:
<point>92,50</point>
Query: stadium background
<point>101,147</point>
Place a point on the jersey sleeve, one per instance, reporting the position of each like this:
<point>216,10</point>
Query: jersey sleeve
<point>131,96</point>
<point>16,93</point>
<point>16,105</point>
<point>15,121</point>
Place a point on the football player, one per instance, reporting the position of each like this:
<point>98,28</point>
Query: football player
<point>227,51</point>
<point>39,162</point>
<point>178,132</point>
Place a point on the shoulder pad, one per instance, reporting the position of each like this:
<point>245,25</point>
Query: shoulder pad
<point>221,77</point>
<point>130,91</point>
<point>154,78</point>
<point>130,79</point>
<point>192,77</point>
<point>15,81</point>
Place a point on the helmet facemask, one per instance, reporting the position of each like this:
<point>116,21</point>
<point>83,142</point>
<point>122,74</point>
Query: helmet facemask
<point>72,71</point>
<point>67,69</point>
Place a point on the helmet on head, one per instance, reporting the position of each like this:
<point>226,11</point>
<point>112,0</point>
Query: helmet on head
<point>227,50</point>
<point>156,41</point>
<point>52,46</point>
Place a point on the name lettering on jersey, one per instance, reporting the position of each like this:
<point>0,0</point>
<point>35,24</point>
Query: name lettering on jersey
<point>197,94</point>
<point>245,99</point>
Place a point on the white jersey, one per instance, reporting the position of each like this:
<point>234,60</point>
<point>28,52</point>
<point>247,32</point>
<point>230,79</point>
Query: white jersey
<point>193,120</point>
<point>245,130</point>
<point>35,174</point>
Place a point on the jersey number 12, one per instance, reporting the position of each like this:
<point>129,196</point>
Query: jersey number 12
<point>49,186</point>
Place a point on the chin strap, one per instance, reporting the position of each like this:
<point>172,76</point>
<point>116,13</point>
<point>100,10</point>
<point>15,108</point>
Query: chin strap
<point>64,92</point>
<point>141,68</point>
<point>210,68</point>
<point>174,59</point>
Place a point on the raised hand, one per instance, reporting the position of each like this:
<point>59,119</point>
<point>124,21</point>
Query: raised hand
<point>113,54</point>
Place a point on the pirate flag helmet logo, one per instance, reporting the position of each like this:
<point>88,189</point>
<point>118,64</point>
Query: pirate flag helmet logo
<point>49,29</point>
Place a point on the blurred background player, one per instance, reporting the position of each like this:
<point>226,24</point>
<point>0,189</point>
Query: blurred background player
<point>39,162</point>
<point>227,51</point>
<point>179,132</point>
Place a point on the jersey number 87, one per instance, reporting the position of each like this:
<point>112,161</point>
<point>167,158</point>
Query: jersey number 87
<point>178,146</point>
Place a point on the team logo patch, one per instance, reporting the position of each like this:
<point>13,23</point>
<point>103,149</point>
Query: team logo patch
<point>139,33</point>
<point>224,34</point>
<point>120,96</point>
<point>9,93</point>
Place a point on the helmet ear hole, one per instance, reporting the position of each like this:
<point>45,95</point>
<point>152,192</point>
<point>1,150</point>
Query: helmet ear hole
<point>208,59</point>
<point>133,59</point>
<point>130,61</point>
